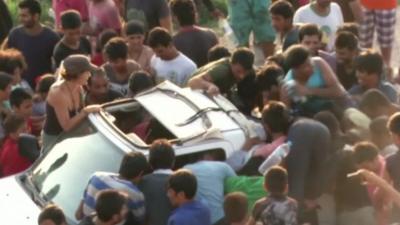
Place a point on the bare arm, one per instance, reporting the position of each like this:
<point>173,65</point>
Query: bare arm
<point>251,221</point>
<point>203,82</point>
<point>333,87</point>
<point>79,211</point>
<point>166,22</point>
<point>58,102</point>
<point>357,11</point>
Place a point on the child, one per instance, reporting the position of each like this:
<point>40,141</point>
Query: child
<point>181,190</point>
<point>72,42</point>
<point>277,207</point>
<point>104,37</point>
<point>235,209</point>
<point>140,81</point>
<point>118,67</point>
<point>134,36</point>
<point>12,160</point>
<point>21,104</point>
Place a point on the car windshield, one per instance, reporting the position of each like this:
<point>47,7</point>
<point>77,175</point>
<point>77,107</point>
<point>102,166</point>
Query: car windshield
<point>63,174</point>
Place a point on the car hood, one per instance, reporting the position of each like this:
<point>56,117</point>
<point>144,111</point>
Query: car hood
<point>15,204</point>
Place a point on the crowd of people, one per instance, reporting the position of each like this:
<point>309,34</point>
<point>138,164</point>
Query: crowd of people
<point>308,72</point>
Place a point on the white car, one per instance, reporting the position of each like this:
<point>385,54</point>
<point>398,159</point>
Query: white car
<point>192,121</point>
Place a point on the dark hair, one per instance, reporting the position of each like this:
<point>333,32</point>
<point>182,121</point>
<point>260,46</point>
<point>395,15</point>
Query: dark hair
<point>185,11</point>
<point>97,73</point>
<point>71,19</point>
<point>108,203</point>
<point>270,75</point>
<point>296,55</point>
<point>235,207</point>
<point>394,123</point>
<point>5,80</point>
<point>217,52</point>
<point>276,180</point>
<point>140,81</point>
<point>10,59</point>
<point>104,37</point>
<point>370,62</point>
<point>161,155</point>
<point>309,29</point>
<point>330,121</point>
<point>378,126</point>
<point>53,213</point>
<point>133,164</point>
<point>282,8</point>
<point>349,27</point>
<point>45,82</point>
<point>183,181</point>
<point>373,98</point>
<point>32,5</point>
<point>276,116</point>
<point>134,27</point>
<point>18,96</point>
<point>364,151</point>
<point>346,40</point>
<point>159,36</point>
<point>12,123</point>
<point>244,57</point>
<point>278,59</point>
<point>116,48</point>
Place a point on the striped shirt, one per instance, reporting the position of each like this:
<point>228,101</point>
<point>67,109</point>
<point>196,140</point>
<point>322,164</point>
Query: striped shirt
<point>103,180</point>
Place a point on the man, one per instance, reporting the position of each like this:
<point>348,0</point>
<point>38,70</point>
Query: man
<point>52,215</point>
<point>153,186</point>
<point>182,187</point>
<point>220,76</point>
<point>346,48</point>
<point>282,20</point>
<point>252,16</point>
<point>310,36</point>
<point>5,90</point>
<point>72,42</point>
<point>111,209</point>
<point>211,175</point>
<point>98,89</point>
<point>131,170</point>
<point>369,68</point>
<point>152,13</point>
<point>379,16</point>
<point>327,15</point>
<point>189,34</point>
<point>34,40</point>
<point>168,63</point>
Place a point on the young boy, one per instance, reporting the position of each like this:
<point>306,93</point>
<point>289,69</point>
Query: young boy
<point>235,209</point>
<point>118,67</point>
<point>134,35</point>
<point>72,42</point>
<point>277,207</point>
<point>52,214</point>
<point>12,160</point>
<point>282,20</point>
<point>21,104</point>
<point>181,190</point>
<point>369,69</point>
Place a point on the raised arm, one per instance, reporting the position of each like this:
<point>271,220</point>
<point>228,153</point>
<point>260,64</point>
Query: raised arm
<point>203,82</point>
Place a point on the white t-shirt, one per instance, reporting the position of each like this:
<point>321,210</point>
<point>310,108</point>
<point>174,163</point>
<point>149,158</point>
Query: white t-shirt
<point>177,70</point>
<point>328,24</point>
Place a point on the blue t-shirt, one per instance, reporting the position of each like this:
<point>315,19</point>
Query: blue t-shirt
<point>211,177</point>
<point>385,87</point>
<point>190,213</point>
<point>37,50</point>
<point>316,80</point>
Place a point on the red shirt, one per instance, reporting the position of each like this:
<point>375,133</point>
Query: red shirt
<point>11,162</point>
<point>379,4</point>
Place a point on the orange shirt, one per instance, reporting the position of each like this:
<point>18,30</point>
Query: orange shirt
<point>379,4</point>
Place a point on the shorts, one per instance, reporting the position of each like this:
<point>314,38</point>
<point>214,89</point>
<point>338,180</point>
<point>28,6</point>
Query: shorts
<point>246,16</point>
<point>384,21</point>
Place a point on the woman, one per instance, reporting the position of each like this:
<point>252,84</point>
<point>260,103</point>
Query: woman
<point>64,104</point>
<point>310,85</point>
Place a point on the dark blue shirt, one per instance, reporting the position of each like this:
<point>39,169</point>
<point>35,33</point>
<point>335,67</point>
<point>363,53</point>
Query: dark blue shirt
<point>385,87</point>
<point>37,50</point>
<point>191,213</point>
